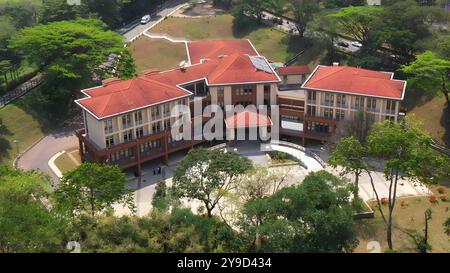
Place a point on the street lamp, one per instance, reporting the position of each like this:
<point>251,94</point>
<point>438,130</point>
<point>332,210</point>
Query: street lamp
<point>17,146</point>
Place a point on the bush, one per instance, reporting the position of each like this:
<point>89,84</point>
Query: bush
<point>403,203</point>
<point>433,198</point>
<point>443,198</point>
<point>441,190</point>
<point>384,201</point>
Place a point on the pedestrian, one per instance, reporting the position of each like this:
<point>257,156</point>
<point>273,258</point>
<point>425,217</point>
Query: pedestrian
<point>159,170</point>
<point>154,171</point>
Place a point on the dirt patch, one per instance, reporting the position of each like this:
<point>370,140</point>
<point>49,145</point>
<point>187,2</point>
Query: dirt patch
<point>157,54</point>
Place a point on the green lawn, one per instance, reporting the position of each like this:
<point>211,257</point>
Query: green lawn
<point>408,216</point>
<point>65,163</point>
<point>147,53</point>
<point>20,126</point>
<point>275,45</point>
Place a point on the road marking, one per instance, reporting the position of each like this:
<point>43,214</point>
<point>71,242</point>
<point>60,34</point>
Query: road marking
<point>53,167</point>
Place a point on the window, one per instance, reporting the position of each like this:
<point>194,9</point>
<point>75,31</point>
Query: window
<point>312,96</point>
<point>244,90</point>
<point>220,91</point>
<point>290,118</point>
<point>328,113</point>
<point>156,127</point>
<point>390,106</point>
<point>127,135</point>
<point>138,117</point>
<point>391,118</point>
<point>108,126</point>
<point>166,124</point>
<point>371,104</point>
<point>139,132</point>
<point>340,99</point>
<point>340,114</point>
<point>155,113</point>
<point>109,141</point>
<point>126,121</point>
<point>311,110</point>
<point>329,99</point>
<point>166,109</point>
<point>267,89</point>
<point>359,102</point>
<point>156,144</point>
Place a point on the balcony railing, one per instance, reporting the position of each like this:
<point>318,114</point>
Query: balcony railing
<point>327,103</point>
<point>312,101</point>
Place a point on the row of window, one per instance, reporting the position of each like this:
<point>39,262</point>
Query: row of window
<point>139,132</point>
<point>138,117</point>
<point>358,102</point>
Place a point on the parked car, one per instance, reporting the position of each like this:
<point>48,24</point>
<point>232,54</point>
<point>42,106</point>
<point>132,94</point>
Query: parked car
<point>145,19</point>
<point>343,44</point>
<point>356,44</point>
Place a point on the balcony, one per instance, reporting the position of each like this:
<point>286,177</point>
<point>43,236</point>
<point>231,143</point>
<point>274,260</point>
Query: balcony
<point>341,105</point>
<point>327,103</point>
<point>389,112</point>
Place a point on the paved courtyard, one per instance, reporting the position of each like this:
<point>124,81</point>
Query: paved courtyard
<point>144,187</point>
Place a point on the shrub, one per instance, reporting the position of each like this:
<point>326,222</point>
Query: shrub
<point>433,198</point>
<point>441,190</point>
<point>403,203</point>
<point>384,201</point>
<point>443,198</point>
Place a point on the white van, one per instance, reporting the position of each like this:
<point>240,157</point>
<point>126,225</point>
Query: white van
<point>145,19</point>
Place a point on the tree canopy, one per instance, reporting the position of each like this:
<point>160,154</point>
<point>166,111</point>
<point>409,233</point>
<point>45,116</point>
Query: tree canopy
<point>315,216</point>
<point>430,73</point>
<point>207,175</point>
<point>92,188</point>
<point>26,225</point>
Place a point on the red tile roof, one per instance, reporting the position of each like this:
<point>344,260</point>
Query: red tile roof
<point>290,70</point>
<point>231,69</point>
<point>247,119</point>
<point>119,96</point>
<point>212,49</point>
<point>356,81</point>
<point>127,95</point>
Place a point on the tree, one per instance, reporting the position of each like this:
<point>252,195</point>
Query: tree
<point>179,231</point>
<point>357,21</point>
<point>253,8</point>
<point>315,216</point>
<point>349,154</point>
<point>404,23</point>
<point>26,225</point>
<point>70,53</point>
<point>59,10</point>
<point>430,73</point>
<point>447,226</point>
<point>92,188</point>
<point>303,11</point>
<point>408,154</point>
<point>207,175</point>
<point>421,241</point>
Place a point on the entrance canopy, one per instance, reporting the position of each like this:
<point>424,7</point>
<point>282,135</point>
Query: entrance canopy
<point>247,119</point>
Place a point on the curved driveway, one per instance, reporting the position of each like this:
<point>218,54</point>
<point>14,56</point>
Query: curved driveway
<point>37,157</point>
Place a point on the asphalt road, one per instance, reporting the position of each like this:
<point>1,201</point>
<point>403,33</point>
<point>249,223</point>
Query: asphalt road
<point>155,18</point>
<point>37,157</point>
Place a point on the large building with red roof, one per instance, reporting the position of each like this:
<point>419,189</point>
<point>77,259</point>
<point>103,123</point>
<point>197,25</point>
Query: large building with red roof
<point>129,122</point>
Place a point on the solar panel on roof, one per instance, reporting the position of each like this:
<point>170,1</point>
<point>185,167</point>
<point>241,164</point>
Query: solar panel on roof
<point>260,64</point>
